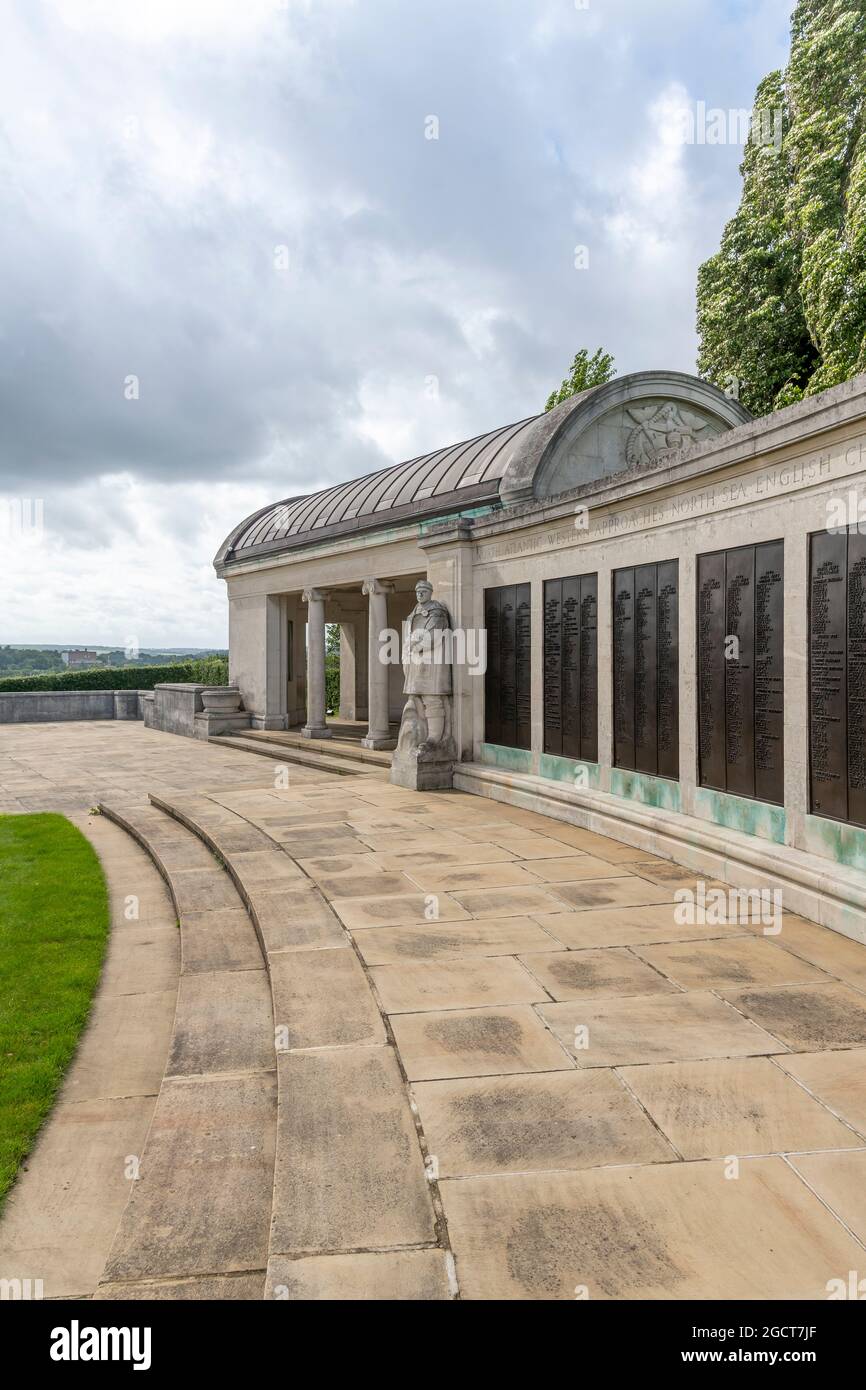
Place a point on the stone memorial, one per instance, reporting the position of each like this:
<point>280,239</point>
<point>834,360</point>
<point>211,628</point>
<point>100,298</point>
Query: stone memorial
<point>425,753</point>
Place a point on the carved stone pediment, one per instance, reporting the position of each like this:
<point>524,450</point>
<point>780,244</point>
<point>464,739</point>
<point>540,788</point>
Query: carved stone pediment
<point>621,427</point>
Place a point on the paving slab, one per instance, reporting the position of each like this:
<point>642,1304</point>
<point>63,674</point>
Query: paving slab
<point>807,1018</point>
<point>836,1078</point>
<point>839,1179</point>
<point>220,1287</point>
<point>505,937</point>
<point>179,849</point>
<point>593,973</point>
<point>374,884</point>
<point>400,909</point>
<point>143,959</point>
<point>433,878</point>
<point>322,999</point>
<point>476,1042</point>
<point>386,1276</point>
<point>221,940</point>
<point>268,870</point>
<point>237,837</point>
<point>654,1028</point>
<point>528,845</point>
<point>633,926</point>
<point>224,1023</point>
<point>296,920</point>
<point>346,866</point>
<point>203,1201</point>
<point>623,891</point>
<point>737,961</point>
<point>60,1231</point>
<point>422,842</point>
<point>658,1232</point>
<point>318,847</point>
<point>202,890</point>
<point>123,1050</point>
<point>349,1172</point>
<point>511,902</point>
<point>440,854</point>
<point>550,1120</point>
<point>456,984</point>
<point>824,948</point>
<point>571,868</point>
<point>742,1105</point>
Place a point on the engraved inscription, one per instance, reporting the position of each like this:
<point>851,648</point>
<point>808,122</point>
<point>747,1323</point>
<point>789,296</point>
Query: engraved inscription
<point>507,685</point>
<point>646,669</point>
<point>741,671</point>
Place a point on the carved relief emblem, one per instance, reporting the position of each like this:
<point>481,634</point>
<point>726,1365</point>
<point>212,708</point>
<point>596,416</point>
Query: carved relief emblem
<point>658,428</point>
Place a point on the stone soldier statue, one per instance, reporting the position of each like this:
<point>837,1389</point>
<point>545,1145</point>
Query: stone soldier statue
<point>425,749</point>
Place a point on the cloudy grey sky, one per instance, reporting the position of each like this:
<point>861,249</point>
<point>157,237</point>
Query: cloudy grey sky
<point>237,203</point>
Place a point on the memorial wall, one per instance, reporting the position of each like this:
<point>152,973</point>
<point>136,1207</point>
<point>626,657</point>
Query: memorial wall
<point>675,618</point>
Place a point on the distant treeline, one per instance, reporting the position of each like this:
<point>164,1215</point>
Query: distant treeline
<point>207,670</point>
<point>34,660</point>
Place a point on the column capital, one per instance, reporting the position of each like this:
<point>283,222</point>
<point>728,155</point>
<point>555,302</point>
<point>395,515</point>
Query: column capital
<point>377,586</point>
<point>315,595</point>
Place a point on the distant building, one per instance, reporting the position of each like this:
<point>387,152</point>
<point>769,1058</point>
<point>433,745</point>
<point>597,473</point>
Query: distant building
<point>80,657</point>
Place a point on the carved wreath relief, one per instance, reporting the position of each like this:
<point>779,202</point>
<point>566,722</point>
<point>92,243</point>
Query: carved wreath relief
<point>659,428</point>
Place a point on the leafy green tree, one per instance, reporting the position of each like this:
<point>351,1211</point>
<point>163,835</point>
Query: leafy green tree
<point>586,371</point>
<point>754,342</point>
<point>332,666</point>
<point>782,304</point>
<point>826,82</point>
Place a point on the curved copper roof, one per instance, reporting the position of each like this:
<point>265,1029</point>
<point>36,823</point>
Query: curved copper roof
<point>463,475</point>
<point>503,467</point>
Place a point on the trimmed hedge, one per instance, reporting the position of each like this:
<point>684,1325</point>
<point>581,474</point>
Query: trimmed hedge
<point>212,670</point>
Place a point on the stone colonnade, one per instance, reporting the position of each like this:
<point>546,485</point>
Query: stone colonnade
<point>362,649</point>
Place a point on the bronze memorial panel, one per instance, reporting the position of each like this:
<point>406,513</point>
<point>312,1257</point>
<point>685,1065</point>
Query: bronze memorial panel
<point>507,681</point>
<point>837,675</point>
<point>740,642</point>
<point>646,668</point>
<point>571,667</point>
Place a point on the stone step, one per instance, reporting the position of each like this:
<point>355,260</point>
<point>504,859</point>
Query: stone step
<point>290,753</point>
<point>198,1215</point>
<point>351,749</point>
<point>349,1173</point>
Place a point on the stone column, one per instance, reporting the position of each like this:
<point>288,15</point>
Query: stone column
<point>378,733</point>
<point>316,725</point>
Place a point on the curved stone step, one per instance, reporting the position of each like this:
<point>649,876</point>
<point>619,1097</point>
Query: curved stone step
<point>198,1217</point>
<point>351,750</point>
<point>289,753</point>
<point>353,1209</point>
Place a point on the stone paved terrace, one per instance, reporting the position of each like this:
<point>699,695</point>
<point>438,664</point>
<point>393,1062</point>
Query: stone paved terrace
<point>503,1068</point>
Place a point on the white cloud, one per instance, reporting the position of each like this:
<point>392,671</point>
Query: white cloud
<point>153,157</point>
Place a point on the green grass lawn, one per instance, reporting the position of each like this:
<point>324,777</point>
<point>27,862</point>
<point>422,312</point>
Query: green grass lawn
<point>53,927</point>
